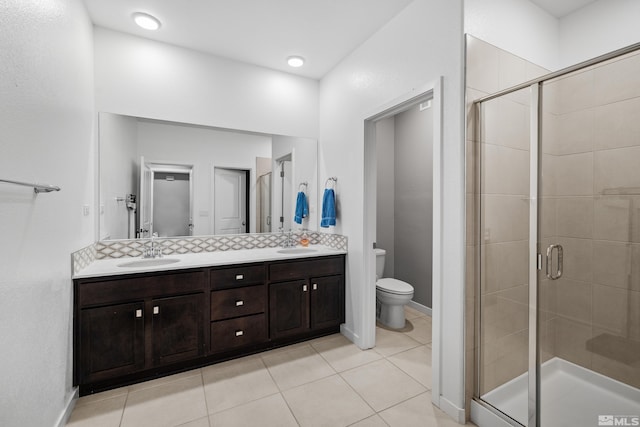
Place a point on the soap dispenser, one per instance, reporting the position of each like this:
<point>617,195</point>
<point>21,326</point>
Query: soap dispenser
<point>304,239</point>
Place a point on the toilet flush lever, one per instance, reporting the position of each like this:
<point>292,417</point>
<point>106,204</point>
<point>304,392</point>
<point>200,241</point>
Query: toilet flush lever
<point>559,263</point>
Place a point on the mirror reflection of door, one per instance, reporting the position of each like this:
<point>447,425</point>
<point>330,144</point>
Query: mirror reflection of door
<point>171,204</point>
<point>264,203</point>
<point>283,199</point>
<point>231,201</point>
<point>146,196</point>
<point>166,194</point>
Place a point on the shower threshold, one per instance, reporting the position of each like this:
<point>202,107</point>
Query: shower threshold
<point>571,396</point>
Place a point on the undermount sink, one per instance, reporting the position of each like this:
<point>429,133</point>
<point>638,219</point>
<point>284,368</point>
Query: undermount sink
<point>148,262</point>
<point>296,251</point>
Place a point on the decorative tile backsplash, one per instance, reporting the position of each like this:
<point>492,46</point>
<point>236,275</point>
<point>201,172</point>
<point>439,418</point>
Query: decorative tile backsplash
<point>197,244</point>
<point>82,258</point>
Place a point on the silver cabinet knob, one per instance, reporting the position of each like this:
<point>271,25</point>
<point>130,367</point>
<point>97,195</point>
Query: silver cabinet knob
<point>239,333</point>
<point>315,286</point>
<point>239,276</point>
<point>138,313</point>
<point>239,303</point>
<point>304,288</point>
<point>156,310</point>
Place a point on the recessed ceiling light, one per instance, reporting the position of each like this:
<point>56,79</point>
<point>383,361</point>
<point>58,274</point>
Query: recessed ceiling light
<point>295,61</point>
<point>146,21</point>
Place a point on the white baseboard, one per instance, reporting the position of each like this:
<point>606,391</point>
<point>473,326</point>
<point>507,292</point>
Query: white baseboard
<point>458,414</point>
<point>421,308</point>
<point>349,334</point>
<point>66,414</point>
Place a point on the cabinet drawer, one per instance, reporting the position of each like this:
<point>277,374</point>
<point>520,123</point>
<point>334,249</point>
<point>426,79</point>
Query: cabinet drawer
<point>243,331</point>
<point>302,269</point>
<point>238,302</point>
<point>225,278</point>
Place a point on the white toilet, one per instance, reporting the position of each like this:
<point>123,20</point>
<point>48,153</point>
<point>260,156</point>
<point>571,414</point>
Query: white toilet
<point>391,296</point>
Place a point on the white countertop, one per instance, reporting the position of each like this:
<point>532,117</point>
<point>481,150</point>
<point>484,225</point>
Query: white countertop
<point>110,266</point>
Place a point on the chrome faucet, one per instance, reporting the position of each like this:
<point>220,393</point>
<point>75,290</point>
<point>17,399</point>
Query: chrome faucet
<point>288,242</point>
<point>152,251</point>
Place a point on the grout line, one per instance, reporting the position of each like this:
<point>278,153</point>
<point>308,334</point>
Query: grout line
<point>204,393</point>
<point>409,374</point>
<point>358,394</point>
<point>126,399</point>
<point>248,401</point>
<point>289,407</point>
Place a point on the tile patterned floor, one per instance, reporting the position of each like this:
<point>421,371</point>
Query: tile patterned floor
<point>324,382</point>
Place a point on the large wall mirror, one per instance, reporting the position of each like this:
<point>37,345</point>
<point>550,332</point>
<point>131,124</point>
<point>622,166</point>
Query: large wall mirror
<point>173,179</point>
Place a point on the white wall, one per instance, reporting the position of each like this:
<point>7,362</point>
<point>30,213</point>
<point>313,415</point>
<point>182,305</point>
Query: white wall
<point>598,28</point>
<point>517,26</point>
<point>204,148</point>
<point>420,44</point>
<point>46,135</point>
<point>118,173</point>
<point>144,78</point>
<point>522,28</point>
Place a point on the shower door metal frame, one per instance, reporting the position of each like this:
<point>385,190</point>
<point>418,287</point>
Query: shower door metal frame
<point>533,412</point>
<point>535,146</point>
<point>535,154</point>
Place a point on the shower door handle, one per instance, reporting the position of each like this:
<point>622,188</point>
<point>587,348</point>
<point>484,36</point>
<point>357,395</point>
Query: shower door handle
<point>558,273</point>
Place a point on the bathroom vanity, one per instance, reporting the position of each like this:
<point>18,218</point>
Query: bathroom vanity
<point>138,325</point>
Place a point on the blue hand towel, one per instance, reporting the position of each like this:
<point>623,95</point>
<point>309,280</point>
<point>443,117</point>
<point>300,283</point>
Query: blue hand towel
<point>302,208</point>
<point>328,208</point>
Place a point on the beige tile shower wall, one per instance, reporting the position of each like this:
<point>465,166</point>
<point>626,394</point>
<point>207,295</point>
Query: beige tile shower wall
<point>591,148</point>
<point>501,193</point>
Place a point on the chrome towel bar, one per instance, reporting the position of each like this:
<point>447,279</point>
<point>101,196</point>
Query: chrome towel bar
<point>37,188</point>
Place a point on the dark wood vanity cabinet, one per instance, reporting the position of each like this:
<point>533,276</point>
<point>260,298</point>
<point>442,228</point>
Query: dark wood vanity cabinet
<point>134,327</point>
<point>239,303</point>
<point>125,325</point>
<point>306,296</point>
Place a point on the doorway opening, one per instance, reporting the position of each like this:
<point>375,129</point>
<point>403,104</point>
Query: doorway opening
<point>428,97</point>
<point>166,200</point>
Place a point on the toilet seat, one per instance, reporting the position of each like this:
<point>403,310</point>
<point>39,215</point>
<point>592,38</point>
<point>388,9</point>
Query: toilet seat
<point>394,286</point>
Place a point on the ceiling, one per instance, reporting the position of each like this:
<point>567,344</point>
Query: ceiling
<point>261,32</point>
<point>561,8</point>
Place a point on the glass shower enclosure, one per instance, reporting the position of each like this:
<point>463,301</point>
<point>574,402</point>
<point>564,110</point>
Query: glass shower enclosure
<point>557,206</point>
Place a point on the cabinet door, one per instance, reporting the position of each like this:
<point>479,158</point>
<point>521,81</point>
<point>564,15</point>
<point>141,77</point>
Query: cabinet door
<point>177,328</point>
<point>327,302</point>
<point>111,341</point>
<point>289,308</point>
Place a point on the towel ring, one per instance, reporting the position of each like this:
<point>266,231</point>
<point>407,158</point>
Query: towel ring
<point>331,179</point>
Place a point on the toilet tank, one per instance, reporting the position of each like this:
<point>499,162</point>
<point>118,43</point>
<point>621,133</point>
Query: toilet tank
<point>380,253</point>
